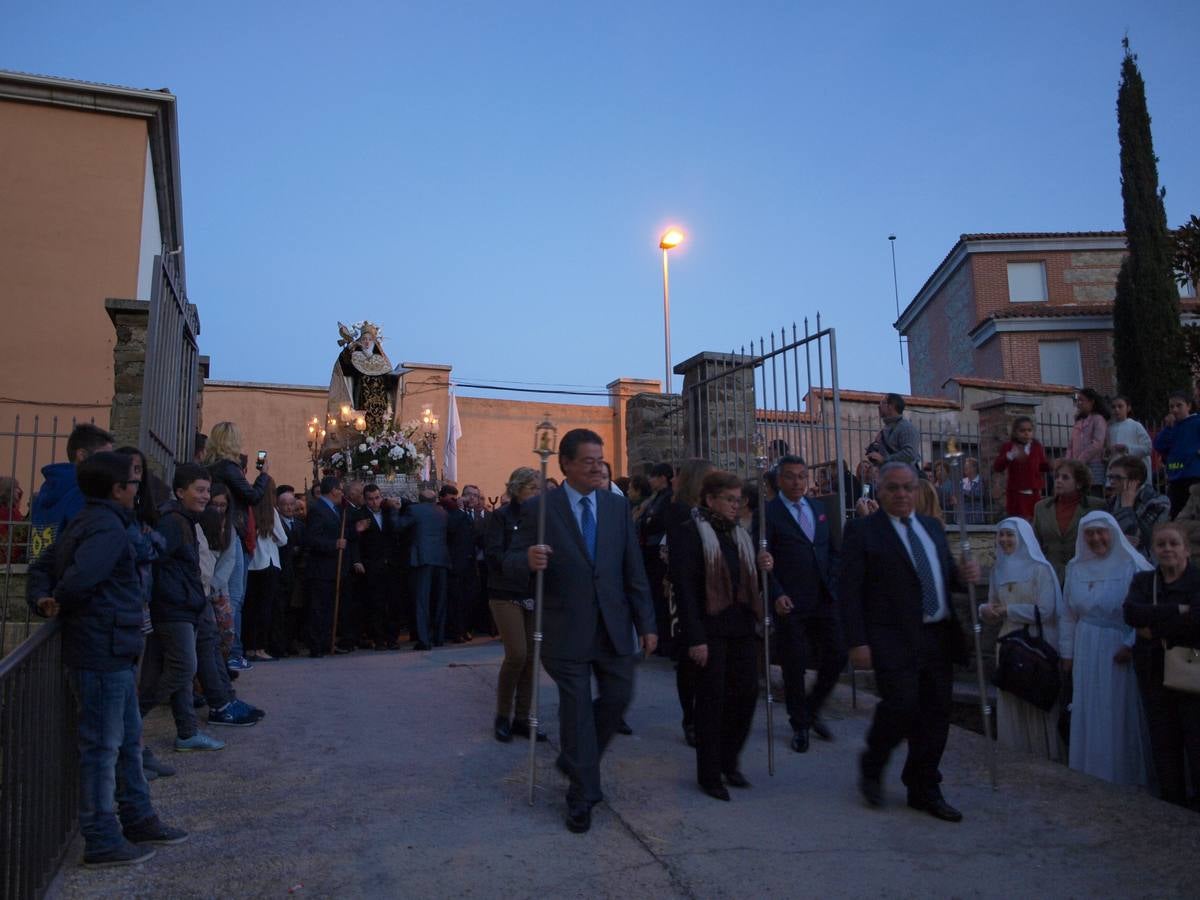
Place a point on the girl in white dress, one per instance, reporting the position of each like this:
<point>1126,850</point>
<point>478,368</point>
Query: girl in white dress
<point>1109,738</point>
<point>1023,585</point>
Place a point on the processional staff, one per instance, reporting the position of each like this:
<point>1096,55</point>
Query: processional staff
<point>760,463</point>
<point>337,581</point>
<point>544,445</point>
<point>954,458</point>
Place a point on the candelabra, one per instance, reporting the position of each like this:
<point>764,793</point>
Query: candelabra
<point>316,442</point>
<point>429,441</point>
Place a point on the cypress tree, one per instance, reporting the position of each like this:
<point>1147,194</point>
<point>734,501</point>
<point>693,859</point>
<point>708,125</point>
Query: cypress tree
<point>1147,337</point>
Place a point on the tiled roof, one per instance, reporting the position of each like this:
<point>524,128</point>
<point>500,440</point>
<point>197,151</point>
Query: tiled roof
<point>1038,235</point>
<point>875,397</point>
<point>1066,311</point>
<point>995,384</point>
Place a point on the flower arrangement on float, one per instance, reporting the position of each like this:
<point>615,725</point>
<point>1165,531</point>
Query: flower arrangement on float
<point>391,452</point>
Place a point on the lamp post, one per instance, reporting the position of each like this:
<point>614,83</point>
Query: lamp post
<point>316,442</point>
<point>430,423</point>
<point>670,239</point>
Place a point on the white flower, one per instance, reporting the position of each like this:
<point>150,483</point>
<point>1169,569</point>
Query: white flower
<point>362,448</point>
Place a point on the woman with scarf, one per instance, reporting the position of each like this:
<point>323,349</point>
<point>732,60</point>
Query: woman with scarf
<point>719,610</point>
<point>1023,590</point>
<point>1164,607</point>
<point>1056,519</point>
<point>1108,728</point>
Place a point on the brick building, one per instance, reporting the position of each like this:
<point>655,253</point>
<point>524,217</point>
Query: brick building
<point>1030,308</point>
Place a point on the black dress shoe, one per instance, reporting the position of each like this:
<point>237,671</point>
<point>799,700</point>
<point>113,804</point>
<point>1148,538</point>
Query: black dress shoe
<point>716,791</point>
<point>561,766</point>
<point>623,727</point>
<point>579,818</point>
<point>503,730</point>
<point>937,807</point>
<point>871,790</point>
<point>420,646</point>
<point>736,779</point>
<point>800,740</point>
<point>520,728</point>
<point>818,725</point>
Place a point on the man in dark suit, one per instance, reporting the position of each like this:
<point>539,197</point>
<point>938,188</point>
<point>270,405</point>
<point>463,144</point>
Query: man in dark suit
<point>480,616</point>
<point>652,528</point>
<point>429,561</point>
<point>802,589</point>
<point>376,544</point>
<point>595,594</point>
<point>323,539</point>
<point>895,581</point>
<point>285,625</point>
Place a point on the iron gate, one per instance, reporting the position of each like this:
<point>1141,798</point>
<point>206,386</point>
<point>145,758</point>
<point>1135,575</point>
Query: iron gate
<point>172,370</point>
<point>785,397</point>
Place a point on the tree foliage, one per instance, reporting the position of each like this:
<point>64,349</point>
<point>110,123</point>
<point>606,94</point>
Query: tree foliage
<point>1148,344</point>
<point>1187,252</point>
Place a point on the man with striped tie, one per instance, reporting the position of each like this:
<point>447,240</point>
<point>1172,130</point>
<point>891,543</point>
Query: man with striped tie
<point>894,583</point>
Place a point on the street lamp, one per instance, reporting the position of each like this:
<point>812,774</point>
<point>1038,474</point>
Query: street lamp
<point>670,239</point>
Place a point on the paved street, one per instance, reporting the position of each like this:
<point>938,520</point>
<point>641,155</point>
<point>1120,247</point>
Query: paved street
<point>376,775</point>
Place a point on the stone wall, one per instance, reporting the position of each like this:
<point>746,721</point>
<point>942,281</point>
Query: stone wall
<point>719,408</point>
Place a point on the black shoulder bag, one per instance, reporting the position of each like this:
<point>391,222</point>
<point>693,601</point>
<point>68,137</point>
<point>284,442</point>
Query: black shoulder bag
<point>1028,666</point>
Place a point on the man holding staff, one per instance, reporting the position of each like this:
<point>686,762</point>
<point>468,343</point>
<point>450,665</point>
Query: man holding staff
<point>329,563</point>
<point>895,581</point>
<point>595,595</point>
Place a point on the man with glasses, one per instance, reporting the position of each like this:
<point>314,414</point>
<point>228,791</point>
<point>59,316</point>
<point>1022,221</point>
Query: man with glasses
<point>894,583</point>
<point>595,596</point>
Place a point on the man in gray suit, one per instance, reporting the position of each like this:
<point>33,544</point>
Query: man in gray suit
<point>595,595</point>
<point>424,524</point>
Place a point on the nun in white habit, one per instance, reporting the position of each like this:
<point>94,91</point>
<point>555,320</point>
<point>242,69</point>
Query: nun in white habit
<point>1109,738</point>
<point>1023,587</point>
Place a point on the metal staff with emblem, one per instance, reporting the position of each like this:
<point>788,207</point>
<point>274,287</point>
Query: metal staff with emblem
<point>760,463</point>
<point>954,459</point>
<point>544,445</point>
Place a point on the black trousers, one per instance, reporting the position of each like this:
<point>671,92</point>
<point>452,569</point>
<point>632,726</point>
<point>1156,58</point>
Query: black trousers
<point>726,694</point>
<point>914,704</point>
<point>796,635</point>
<point>382,608</point>
<point>1173,718</point>
<point>586,725</point>
<point>320,615</point>
<point>352,610</point>
<point>261,588</point>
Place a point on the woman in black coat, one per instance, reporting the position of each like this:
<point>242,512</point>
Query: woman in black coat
<point>1164,606</point>
<point>720,606</point>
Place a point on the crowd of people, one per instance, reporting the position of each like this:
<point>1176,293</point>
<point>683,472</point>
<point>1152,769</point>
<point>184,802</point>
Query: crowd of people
<point>169,593</point>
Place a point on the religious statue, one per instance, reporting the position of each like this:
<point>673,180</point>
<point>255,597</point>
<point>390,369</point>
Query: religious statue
<point>363,379</point>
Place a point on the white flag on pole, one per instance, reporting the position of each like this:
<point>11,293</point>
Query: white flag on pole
<point>453,433</point>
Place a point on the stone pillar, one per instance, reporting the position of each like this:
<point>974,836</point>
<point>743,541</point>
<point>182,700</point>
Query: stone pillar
<point>619,392</point>
<point>653,431</point>
<point>996,418</point>
<point>719,409</point>
<point>131,321</point>
<point>204,366</point>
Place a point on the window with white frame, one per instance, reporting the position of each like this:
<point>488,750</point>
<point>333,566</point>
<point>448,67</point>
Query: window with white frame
<point>1027,282</point>
<point>1061,363</point>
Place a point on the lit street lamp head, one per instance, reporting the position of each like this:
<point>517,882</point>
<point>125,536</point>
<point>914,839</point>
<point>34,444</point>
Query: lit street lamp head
<point>671,238</point>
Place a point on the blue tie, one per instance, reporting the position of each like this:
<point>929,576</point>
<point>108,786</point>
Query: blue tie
<point>587,525</point>
<point>805,518</point>
<point>929,594</point>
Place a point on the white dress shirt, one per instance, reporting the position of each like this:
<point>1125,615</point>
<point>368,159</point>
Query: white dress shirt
<point>935,564</point>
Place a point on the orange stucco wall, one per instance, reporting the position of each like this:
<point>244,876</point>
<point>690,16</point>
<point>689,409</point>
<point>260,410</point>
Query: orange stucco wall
<point>497,434</point>
<point>274,419</point>
<point>71,191</point>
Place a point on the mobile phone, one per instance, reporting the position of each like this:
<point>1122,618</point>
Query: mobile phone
<point>262,458</point>
<point>866,492</point>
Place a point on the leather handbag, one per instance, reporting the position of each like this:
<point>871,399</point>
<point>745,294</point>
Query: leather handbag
<point>1181,664</point>
<point>1028,666</point>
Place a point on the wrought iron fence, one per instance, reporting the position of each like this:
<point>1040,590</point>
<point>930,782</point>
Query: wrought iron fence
<point>39,764</point>
<point>32,443</point>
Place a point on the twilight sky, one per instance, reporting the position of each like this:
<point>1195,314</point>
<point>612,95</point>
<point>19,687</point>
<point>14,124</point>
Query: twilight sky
<point>489,180</point>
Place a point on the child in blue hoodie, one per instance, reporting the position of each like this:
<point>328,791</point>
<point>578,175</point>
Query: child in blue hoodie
<point>59,499</point>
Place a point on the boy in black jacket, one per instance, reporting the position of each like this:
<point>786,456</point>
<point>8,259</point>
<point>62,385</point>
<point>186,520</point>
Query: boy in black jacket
<point>89,579</point>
